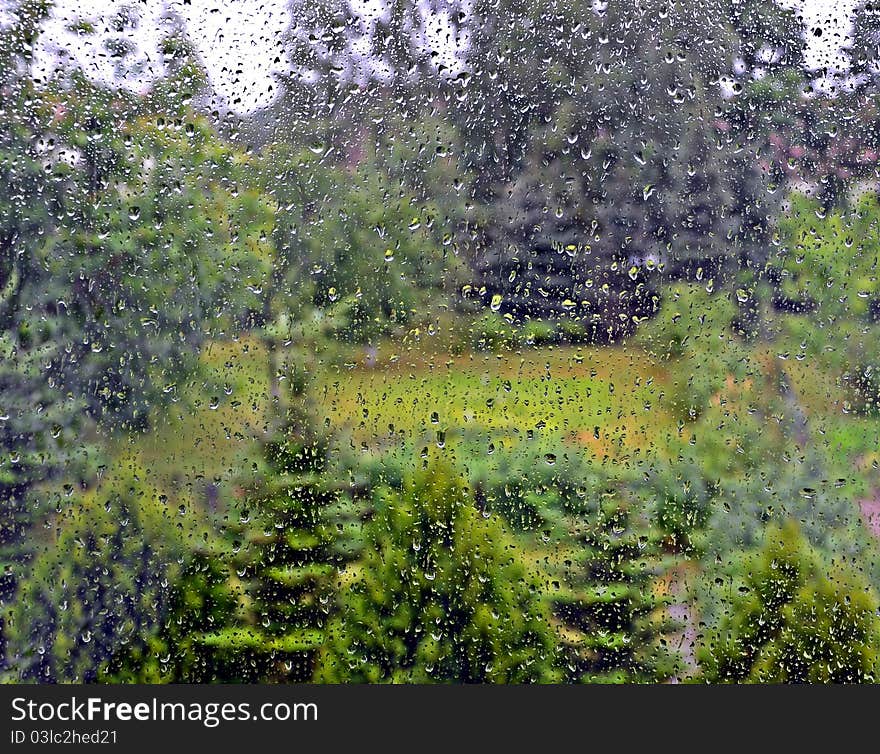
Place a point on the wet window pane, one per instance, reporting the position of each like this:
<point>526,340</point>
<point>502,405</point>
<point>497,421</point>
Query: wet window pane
<point>430,341</point>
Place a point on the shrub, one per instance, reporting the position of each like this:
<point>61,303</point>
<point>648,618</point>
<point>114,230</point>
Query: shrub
<point>792,620</point>
<point>441,595</point>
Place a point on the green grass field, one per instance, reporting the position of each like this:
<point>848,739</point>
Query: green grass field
<point>606,399</point>
<point>608,402</point>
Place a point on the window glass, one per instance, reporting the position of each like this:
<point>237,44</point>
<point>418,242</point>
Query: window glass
<point>470,341</point>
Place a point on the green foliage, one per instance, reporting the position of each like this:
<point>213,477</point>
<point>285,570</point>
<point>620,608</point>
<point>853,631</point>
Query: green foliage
<point>200,601</point>
<point>123,243</point>
<point>151,260</point>
<point>101,586</point>
<point>557,188</point>
<point>40,434</point>
<point>829,260</point>
<point>41,422</point>
<point>791,619</point>
<point>286,560</point>
<point>590,182</point>
<point>694,327</point>
<point>538,333</point>
<point>492,332</point>
<point>363,239</point>
<point>441,595</point>
<point>691,319</point>
<point>754,456</point>
<point>531,490</point>
<point>680,499</point>
<point>827,274</point>
<point>612,621</point>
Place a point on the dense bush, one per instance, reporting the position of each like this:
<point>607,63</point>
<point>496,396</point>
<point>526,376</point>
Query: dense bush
<point>790,618</point>
<point>442,594</point>
<point>102,585</point>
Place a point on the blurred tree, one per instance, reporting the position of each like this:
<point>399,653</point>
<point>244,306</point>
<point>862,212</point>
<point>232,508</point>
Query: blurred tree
<point>693,327</point>
<point>539,259</point>
<point>792,620</point>
<point>164,247</point>
<point>366,246</point>
<point>41,427</point>
<point>285,543</point>
<point>862,47</point>
<point>126,240</point>
<point>441,595</point>
<point>201,599</point>
<point>827,280</point>
<point>315,54</point>
<point>633,146</point>
<point>100,585</point>
<point>613,621</point>
<point>286,560</point>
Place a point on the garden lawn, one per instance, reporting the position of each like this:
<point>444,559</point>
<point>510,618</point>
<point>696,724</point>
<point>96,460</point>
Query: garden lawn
<point>608,399</point>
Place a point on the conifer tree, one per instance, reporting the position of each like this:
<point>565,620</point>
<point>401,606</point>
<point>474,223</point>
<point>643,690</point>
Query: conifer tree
<point>286,562</point>
<point>612,623</point>
<point>201,599</point>
<point>285,550</point>
<point>441,595</point>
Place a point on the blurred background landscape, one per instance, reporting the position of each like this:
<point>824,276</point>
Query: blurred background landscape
<point>449,341</point>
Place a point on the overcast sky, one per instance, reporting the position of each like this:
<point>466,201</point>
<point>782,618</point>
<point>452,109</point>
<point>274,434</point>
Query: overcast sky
<point>238,39</point>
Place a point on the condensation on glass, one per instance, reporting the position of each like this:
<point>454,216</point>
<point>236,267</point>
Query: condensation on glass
<point>470,341</point>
